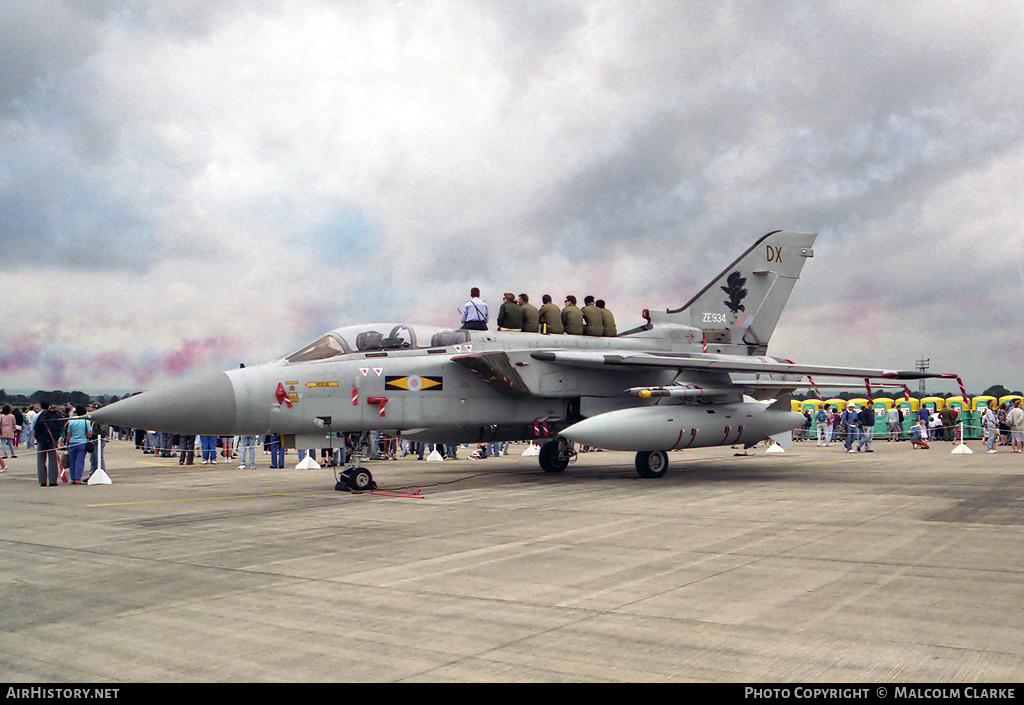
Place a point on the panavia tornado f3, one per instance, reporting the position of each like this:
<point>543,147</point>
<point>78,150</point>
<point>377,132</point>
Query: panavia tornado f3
<point>690,377</point>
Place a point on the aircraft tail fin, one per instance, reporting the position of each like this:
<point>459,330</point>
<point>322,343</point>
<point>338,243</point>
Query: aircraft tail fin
<point>742,305</point>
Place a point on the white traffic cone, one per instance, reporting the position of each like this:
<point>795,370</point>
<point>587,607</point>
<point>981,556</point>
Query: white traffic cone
<point>98,478</point>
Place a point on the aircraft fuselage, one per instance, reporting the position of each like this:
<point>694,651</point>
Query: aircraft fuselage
<point>485,386</point>
<point>688,377</point>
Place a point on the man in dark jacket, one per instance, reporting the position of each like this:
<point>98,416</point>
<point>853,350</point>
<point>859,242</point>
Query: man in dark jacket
<point>49,426</point>
<point>866,421</point>
<point>947,425</point>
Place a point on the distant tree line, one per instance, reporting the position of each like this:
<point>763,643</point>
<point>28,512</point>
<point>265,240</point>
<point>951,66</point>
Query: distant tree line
<point>55,397</point>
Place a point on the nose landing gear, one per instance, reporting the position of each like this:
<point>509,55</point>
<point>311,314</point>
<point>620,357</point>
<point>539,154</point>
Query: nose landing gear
<point>355,479</point>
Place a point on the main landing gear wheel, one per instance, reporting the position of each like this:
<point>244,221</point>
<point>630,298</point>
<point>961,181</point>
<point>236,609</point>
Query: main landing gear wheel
<point>651,463</point>
<point>554,455</point>
<point>356,480</point>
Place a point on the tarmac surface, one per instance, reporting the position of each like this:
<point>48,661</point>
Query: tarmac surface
<point>808,566</point>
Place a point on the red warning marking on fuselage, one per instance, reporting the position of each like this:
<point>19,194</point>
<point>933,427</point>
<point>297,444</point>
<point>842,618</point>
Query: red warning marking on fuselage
<point>693,436</point>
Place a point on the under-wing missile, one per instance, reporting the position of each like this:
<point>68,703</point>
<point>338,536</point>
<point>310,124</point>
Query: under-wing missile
<point>680,426</point>
<point>679,392</point>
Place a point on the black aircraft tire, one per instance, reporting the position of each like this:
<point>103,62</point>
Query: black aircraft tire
<point>549,460</point>
<point>651,463</point>
<point>360,480</point>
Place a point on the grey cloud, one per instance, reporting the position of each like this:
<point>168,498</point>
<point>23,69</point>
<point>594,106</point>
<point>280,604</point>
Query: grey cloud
<point>459,144</point>
<point>534,33</point>
<point>40,40</point>
<point>183,19</point>
<point>76,225</point>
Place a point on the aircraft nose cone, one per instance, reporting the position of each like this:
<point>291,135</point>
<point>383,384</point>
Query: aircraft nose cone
<point>205,405</point>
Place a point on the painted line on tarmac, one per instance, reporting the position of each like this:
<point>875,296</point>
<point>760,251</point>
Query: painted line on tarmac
<point>208,499</point>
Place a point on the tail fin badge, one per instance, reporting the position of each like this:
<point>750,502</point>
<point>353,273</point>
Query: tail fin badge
<point>734,288</point>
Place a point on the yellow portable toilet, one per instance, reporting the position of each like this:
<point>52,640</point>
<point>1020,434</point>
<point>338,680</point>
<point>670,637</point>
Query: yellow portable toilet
<point>861,403</point>
<point>936,404</point>
<point>838,405</point>
<point>1008,399</point>
<point>811,405</point>
<point>980,404</point>
<point>794,404</point>
<point>959,403</point>
<point>913,405</point>
<point>881,406</point>
<point>910,408</point>
<point>983,402</point>
<point>964,415</point>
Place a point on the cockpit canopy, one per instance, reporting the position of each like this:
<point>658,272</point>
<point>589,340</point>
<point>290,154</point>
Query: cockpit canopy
<point>377,337</point>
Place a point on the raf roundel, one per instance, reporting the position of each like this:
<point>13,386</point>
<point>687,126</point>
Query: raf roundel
<point>413,383</point>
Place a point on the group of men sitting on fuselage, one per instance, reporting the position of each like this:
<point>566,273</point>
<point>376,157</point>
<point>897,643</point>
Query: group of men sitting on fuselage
<point>518,314</point>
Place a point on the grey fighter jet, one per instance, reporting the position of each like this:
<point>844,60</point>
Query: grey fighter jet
<point>689,377</point>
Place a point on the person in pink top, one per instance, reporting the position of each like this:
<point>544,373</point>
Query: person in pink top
<point>7,424</point>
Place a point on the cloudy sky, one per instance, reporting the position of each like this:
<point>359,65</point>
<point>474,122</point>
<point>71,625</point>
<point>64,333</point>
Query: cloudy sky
<point>190,184</point>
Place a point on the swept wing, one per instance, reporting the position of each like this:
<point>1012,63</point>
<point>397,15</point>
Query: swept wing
<point>722,364</point>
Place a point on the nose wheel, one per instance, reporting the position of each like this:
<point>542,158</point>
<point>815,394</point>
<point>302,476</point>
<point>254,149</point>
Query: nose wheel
<point>355,480</point>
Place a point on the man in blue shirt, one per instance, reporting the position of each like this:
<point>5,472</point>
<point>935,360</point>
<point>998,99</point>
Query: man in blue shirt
<point>474,312</point>
<point>849,421</point>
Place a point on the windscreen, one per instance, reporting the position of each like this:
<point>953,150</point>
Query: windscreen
<point>325,347</point>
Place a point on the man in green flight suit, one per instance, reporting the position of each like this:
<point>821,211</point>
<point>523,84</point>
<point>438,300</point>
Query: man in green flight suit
<point>572,317</point>
<point>607,319</point>
<point>550,317</point>
<point>531,316</point>
<point>510,315</point>
<point>592,323</point>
